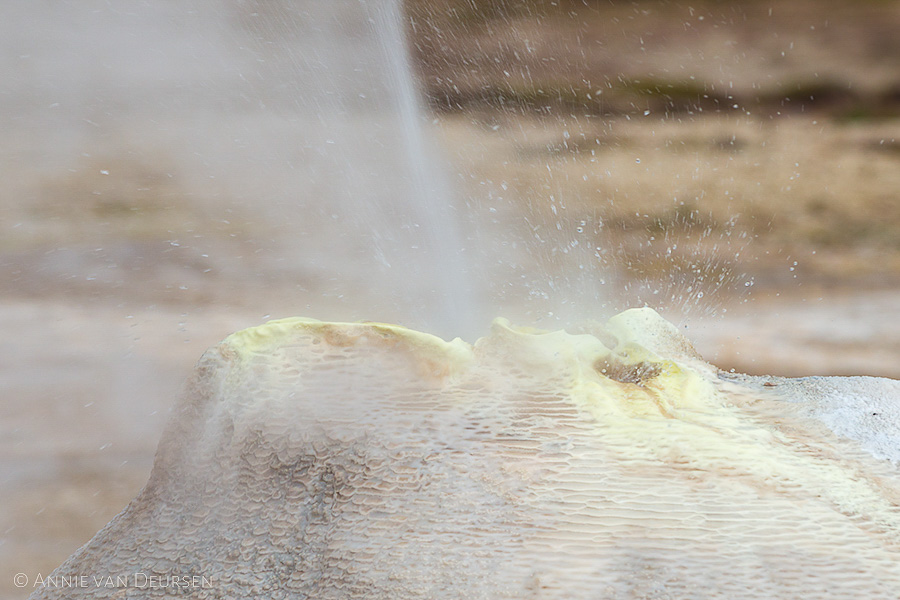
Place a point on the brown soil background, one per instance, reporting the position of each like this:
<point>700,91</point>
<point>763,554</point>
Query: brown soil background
<point>746,151</point>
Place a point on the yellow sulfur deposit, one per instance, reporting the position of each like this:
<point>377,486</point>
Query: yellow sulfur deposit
<point>362,460</point>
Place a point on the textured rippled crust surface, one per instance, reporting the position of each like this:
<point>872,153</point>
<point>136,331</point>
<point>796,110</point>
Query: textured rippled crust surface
<point>317,460</point>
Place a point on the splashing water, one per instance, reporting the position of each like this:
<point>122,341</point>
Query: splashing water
<point>430,203</point>
<point>376,213</point>
<point>291,155</point>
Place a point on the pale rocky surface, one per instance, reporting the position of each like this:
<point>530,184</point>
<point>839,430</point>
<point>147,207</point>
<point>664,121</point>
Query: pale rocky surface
<point>310,459</point>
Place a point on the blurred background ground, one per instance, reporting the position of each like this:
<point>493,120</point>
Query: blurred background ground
<point>734,164</point>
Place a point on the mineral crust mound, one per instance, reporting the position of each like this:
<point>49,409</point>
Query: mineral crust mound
<point>368,461</point>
